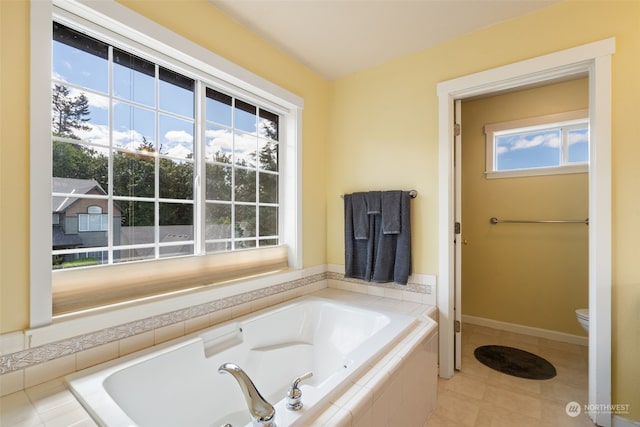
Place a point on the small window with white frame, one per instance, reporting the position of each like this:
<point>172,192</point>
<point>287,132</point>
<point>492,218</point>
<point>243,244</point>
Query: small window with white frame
<point>545,145</point>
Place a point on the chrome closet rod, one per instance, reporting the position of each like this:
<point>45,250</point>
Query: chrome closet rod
<point>495,220</point>
<point>412,193</point>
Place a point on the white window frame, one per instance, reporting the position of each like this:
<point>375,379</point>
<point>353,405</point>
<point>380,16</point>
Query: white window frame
<point>124,24</point>
<point>565,121</point>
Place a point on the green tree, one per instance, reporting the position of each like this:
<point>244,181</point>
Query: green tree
<point>134,176</point>
<point>76,161</point>
<point>69,113</point>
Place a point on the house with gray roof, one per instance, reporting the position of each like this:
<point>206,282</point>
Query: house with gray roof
<point>80,220</point>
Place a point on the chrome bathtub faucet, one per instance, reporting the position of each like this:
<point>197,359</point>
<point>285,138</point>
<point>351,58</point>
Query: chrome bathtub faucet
<point>262,412</point>
<point>294,395</point>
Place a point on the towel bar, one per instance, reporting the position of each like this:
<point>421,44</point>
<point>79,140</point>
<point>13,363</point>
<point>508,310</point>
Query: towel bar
<point>495,220</point>
<point>412,193</point>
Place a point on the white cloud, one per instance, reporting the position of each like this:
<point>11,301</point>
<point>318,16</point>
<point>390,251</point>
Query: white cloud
<point>551,140</point>
<point>57,76</point>
<point>245,148</point>
<point>577,137</point>
<point>178,136</point>
<point>130,139</point>
<point>242,145</point>
<point>97,134</point>
<point>217,140</point>
<point>179,144</point>
<point>179,151</point>
<point>547,139</point>
<point>245,142</point>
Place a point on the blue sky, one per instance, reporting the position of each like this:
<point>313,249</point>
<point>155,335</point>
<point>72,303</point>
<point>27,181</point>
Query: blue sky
<point>136,120</point>
<point>540,148</point>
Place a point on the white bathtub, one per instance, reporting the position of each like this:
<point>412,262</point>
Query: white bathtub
<point>179,384</point>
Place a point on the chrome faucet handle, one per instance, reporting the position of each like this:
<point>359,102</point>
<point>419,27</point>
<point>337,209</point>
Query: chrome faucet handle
<point>294,395</point>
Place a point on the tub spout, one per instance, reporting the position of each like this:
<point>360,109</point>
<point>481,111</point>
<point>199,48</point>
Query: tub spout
<point>262,412</point>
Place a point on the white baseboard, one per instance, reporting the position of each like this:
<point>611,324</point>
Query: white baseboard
<point>619,421</point>
<point>526,330</point>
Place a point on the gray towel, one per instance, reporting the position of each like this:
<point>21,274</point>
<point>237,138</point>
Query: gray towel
<point>392,255</point>
<point>402,267</point>
<point>373,202</point>
<point>356,251</point>
<point>360,216</point>
<point>382,257</point>
<point>391,221</point>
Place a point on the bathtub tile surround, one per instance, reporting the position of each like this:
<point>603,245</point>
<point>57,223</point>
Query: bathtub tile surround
<point>399,390</point>
<point>389,378</point>
<point>60,355</point>
<point>48,404</point>
<point>420,287</point>
<point>22,366</point>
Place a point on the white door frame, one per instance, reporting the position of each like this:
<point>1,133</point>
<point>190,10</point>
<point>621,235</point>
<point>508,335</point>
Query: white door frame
<point>595,60</point>
<point>457,280</point>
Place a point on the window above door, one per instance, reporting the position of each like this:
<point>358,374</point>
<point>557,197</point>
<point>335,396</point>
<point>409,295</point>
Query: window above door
<point>545,145</point>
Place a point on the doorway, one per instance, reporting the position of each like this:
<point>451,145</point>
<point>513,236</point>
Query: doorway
<point>595,60</point>
<point>530,277</point>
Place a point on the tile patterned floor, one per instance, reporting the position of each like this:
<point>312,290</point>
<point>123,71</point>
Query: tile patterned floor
<point>478,396</point>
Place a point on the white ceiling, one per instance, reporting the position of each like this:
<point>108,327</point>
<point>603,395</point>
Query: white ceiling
<point>338,37</point>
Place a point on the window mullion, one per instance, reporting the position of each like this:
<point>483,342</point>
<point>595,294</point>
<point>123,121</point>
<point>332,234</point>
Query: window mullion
<point>156,169</point>
<point>199,165</point>
<point>257,179</point>
<point>233,175</point>
<point>110,160</point>
<point>564,146</point>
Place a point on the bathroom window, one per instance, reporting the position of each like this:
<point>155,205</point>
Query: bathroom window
<point>124,133</point>
<point>545,145</point>
<point>156,156</point>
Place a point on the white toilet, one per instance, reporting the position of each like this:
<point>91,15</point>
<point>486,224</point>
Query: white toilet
<point>583,317</point>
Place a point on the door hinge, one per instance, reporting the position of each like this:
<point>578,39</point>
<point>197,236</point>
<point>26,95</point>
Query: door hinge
<point>456,129</point>
<point>456,326</point>
<point>457,228</point>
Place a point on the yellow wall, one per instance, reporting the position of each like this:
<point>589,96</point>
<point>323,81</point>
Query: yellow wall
<point>383,134</point>
<point>201,23</point>
<point>528,274</point>
<point>14,165</point>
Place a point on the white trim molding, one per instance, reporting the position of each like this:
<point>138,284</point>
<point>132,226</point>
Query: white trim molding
<point>619,421</point>
<point>525,330</point>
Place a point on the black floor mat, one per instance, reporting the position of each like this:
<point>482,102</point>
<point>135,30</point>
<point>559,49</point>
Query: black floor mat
<point>513,361</point>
